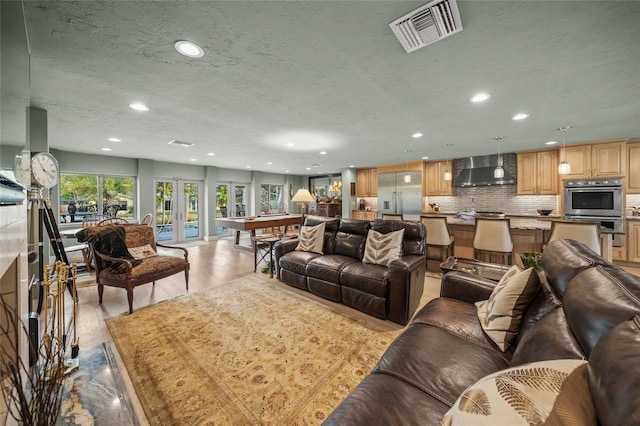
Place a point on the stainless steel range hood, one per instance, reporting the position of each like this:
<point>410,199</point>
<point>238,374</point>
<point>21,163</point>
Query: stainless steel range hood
<point>479,171</point>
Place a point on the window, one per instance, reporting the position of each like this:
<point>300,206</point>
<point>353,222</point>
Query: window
<point>272,199</point>
<point>80,196</point>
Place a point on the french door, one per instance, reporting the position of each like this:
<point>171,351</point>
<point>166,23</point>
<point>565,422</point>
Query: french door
<point>178,217</point>
<point>232,200</point>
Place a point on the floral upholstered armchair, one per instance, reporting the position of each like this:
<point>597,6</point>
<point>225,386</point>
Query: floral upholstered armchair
<point>126,256</point>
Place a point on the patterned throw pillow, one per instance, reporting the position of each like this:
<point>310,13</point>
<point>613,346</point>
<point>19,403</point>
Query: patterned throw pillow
<point>142,252</point>
<point>501,315</point>
<point>552,393</point>
<point>382,249</point>
<point>311,238</point>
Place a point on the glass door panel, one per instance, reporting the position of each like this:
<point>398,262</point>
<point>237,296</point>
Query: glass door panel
<point>238,205</point>
<point>191,212</point>
<point>178,217</point>
<point>164,211</point>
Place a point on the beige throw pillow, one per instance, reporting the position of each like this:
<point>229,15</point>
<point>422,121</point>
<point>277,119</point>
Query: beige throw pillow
<point>142,252</point>
<point>382,249</point>
<point>529,394</point>
<point>311,238</point>
<point>501,315</point>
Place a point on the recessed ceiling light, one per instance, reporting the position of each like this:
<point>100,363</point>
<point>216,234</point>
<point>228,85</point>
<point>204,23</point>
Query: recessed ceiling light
<point>480,97</point>
<point>417,135</point>
<point>114,140</point>
<point>107,149</point>
<point>425,158</point>
<point>248,167</point>
<point>189,49</point>
<point>289,144</point>
<point>351,166</point>
<point>308,168</point>
<point>287,171</point>
<point>139,107</point>
<point>193,159</point>
<point>520,116</point>
<point>551,143</point>
<point>269,162</point>
<point>211,153</point>
<point>323,152</point>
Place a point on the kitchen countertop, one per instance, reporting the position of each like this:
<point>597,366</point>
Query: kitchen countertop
<point>516,222</point>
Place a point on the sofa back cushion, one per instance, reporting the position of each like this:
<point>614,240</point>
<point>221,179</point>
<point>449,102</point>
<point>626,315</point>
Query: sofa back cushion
<point>382,249</point>
<point>330,230</point>
<point>597,300</point>
<point>351,238</point>
<point>614,368</point>
<point>415,234</point>
<point>545,302</point>
<point>564,259</point>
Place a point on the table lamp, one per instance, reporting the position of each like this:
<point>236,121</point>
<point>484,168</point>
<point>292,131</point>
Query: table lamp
<point>303,196</point>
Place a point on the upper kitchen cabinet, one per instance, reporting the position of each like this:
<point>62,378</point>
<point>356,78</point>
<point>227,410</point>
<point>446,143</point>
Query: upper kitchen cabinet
<point>433,178</point>
<point>367,183</point>
<point>597,160</point>
<point>633,174</point>
<point>538,173</point>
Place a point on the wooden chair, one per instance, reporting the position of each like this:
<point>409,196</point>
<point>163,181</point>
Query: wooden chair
<point>492,239</point>
<point>438,238</point>
<point>391,216</point>
<point>115,266</point>
<point>147,219</point>
<point>585,232</point>
<point>113,220</point>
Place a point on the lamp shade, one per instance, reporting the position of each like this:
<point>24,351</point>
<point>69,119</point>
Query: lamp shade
<point>498,172</point>
<point>303,195</point>
<point>564,168</point>
<point>447,175</point>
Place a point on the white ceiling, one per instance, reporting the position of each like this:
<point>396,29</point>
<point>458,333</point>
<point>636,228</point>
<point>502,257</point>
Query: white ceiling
<point>330,76</point>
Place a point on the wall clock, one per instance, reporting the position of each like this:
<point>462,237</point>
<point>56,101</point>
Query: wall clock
<point>22,168</point>
<point>44,170</point>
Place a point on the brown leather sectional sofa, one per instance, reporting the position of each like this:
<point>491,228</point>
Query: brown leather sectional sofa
<point>388,292</point>
<point>444,349</point>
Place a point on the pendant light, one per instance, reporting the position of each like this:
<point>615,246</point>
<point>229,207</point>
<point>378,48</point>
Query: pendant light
<point>564,168</point>
<point>407,177</point>
<point>498,173</point>
<point>447,174</point>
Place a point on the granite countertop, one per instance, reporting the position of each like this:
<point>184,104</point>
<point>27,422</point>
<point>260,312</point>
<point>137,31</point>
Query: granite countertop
<point>516,223</point>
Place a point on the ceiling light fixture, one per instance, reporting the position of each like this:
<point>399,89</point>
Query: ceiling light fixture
<point>425,158</point>
<point>211,153</point>
<point>180,143</point>
<point>417,135</point>
<point>564,168</point>
<point>480,97</point>
<point>137,106</point>
<point>498,173</point>
<point>407,177</point>
<point>551,143</point>
<point>323,152</point>
<point>520,116</point>
<point>193,159</point>
<point>447,174</point>
<point>107,149</point>
<point>114,140</point>
<point>189,49</point>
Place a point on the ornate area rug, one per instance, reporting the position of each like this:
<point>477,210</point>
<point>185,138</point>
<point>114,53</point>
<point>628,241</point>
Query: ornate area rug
<point>246,352</point>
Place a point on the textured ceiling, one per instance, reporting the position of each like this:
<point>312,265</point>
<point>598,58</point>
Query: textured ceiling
<point>328,75</point>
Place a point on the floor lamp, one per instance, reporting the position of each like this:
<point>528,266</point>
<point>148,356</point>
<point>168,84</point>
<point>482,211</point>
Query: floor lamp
<point>303,196</point>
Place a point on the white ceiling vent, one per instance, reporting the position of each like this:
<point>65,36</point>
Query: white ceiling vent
<point>428,24</point>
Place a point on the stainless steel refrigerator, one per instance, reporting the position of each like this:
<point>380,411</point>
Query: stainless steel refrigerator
<point>397,196</point>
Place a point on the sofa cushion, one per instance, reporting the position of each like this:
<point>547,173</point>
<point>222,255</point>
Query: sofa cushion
<point>311,238</point>
<point>550,338</point>
<point>296,261</point>
<point>351,238</point>
<point>501,315</point>
<point>545,301</point>
<point>382,249</point>
<point>144,268</point>
<point>372,279</point>
<point>597,300</point>
<point>142,252</point>
<point>328,267</point>
<point>614,369</point>
<point>524,395</point>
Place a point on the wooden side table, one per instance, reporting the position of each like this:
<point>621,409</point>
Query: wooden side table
<point>263,246</point>
<point>492,271</point>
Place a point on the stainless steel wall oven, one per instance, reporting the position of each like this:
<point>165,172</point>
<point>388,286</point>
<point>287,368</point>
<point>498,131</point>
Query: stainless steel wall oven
<point>596,200</point>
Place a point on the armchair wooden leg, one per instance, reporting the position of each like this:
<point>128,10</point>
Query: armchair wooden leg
<point>186,278</point>
<point>130,299</point>
<point>100,291</point>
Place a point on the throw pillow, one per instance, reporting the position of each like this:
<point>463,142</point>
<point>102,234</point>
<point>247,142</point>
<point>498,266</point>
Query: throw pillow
<point>142,252</point>
<point>311,238</point>
<point>382,249</point>
<point>541,393</point>
<point>500,316</point>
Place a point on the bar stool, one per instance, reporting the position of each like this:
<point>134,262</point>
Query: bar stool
<point>391,216</point>
<point>585,232</point>
<point>491,237</point>
<point>438,237</point>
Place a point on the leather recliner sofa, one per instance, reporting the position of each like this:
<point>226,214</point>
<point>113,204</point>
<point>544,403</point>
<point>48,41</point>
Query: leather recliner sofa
<point>582,297</point>
<point>390,292</point>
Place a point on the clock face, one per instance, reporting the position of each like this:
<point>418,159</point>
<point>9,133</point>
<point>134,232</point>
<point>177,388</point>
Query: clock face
<point>22,168</point>
<point>44,170</point>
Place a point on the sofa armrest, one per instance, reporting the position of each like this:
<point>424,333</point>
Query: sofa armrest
<point>406,284</point>
<point>283,247</point>
<point>466,287</point>
<point>126,262</point>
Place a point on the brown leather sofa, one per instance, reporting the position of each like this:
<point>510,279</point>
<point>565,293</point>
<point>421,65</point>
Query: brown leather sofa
<point>444,349</point>
<point>388,292</point>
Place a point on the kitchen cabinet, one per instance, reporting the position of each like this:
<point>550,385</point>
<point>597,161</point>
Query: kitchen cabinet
<point>596,160</point>
<point>433,178</point>
<point>633,176</point>
<point>364,215</point>
<point>367,183</point>
<point>633,241</point>
<point>538,173</point>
